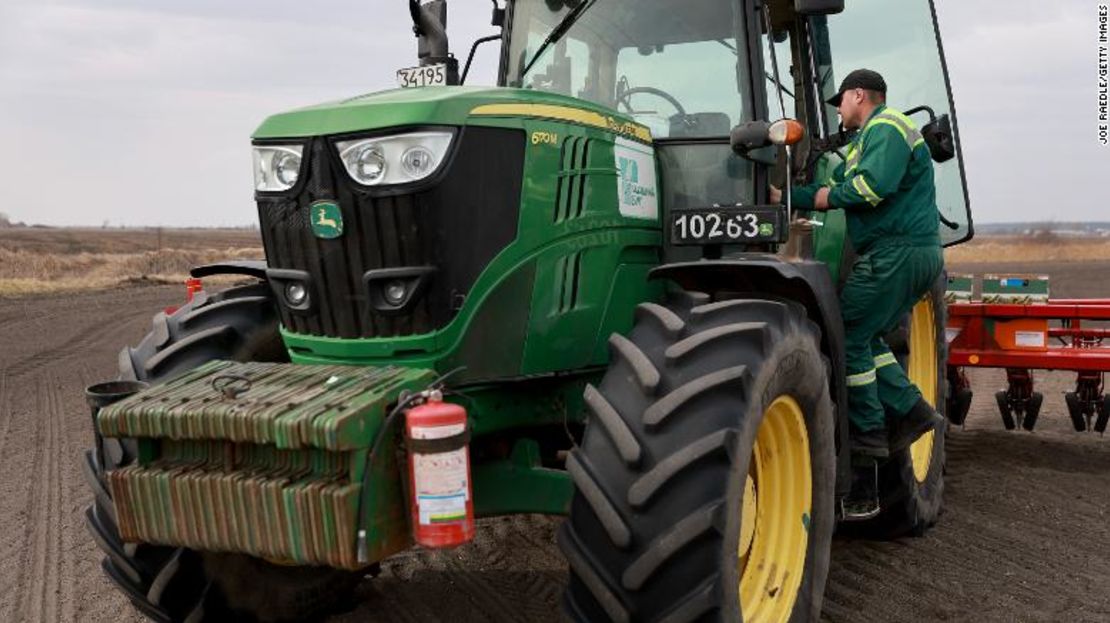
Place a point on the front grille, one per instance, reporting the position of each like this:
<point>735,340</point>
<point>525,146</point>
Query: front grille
<point>456,225</point>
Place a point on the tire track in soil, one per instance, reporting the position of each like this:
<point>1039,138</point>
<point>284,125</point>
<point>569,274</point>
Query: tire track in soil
<point>20,493</point>
<point>42,492</point>
<point>39,566</point>
<point>69,349</point>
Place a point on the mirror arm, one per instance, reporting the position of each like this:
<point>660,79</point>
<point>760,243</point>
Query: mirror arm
<point>470,57</point>
<point>926,109</point>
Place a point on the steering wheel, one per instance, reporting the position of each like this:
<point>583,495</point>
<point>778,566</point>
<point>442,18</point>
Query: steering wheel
<point>624,95</point>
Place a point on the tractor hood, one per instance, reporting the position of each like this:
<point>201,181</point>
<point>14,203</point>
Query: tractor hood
<point>451,105</point>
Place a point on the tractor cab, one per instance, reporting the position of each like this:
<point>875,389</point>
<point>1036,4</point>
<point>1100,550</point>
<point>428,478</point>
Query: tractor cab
<point>693,71</point>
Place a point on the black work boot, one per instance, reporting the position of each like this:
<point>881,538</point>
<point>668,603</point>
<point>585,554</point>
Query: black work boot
<point>873,443</point>
<point>920,419</point>
<point>862,502</point>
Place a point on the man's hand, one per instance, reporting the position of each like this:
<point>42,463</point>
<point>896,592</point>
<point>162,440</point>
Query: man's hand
<point>821,199</point>
<point>776,194</point>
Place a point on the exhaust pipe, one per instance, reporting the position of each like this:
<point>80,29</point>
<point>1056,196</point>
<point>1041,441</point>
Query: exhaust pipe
<point>429,21</point>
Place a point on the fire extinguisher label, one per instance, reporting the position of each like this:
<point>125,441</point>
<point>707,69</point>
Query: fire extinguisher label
<point>440,479</point>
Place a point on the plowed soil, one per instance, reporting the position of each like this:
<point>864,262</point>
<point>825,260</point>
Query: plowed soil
<point>1025,535</point>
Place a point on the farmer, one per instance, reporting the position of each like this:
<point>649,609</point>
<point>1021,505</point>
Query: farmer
<point>885,186</point>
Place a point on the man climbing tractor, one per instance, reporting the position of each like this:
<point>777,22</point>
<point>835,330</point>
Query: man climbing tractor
<point>886,188</point>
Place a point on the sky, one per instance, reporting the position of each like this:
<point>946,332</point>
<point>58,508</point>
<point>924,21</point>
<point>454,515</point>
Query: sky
<point>139,112</point>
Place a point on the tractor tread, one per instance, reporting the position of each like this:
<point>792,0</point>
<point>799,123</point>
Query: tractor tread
<point>694,606</point>
<point>662,409</point>
<point>214,308</point>
<point>669,321</point>
<point>669,543</point>
<point>126,363</point>
<point>576,559</point>
<point>188,344</point>
<point>687,299</point>
<point>602,506</point>
<point>645,487</point>
<point>646,373</point>
<point>619,432</point>
<point>693,344</point>
<point>757,307</point>
<point>160,329</point>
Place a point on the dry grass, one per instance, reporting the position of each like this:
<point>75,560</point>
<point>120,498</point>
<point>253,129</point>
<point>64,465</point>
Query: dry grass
<point>37,260</point>
<point>34,261</point>
<point>1042,248</point>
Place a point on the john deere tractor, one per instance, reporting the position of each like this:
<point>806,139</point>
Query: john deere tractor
<point>585,258</point>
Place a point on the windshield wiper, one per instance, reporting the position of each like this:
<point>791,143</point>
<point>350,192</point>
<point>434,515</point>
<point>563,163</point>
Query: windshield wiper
<point>557,33</point>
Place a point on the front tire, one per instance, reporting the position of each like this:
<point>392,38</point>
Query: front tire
<point>175,583</point>
<point>706,475</point>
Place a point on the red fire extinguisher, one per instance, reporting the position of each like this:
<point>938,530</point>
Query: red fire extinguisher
<point>441,498</point>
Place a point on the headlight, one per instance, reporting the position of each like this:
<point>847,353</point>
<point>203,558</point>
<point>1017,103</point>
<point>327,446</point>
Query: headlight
<point>394,159</point>
<point>276,167</point>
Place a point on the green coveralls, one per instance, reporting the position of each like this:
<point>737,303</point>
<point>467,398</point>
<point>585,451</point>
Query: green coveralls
<point>886,189</point>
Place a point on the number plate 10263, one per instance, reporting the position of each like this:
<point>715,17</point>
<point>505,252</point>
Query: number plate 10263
<point>728,225</point>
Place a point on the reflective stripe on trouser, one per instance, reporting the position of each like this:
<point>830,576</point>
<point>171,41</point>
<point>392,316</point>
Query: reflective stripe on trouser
<point>896,393</point>
<point>883,287</point>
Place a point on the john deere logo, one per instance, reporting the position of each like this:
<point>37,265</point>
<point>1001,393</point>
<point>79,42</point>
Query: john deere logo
<point>327,220</point>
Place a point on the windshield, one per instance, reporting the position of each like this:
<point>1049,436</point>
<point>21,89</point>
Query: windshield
<point>671,64</point>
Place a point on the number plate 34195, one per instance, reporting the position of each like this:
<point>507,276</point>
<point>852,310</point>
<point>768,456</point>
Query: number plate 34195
<point>727,225</point>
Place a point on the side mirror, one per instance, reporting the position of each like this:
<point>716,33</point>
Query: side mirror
<point>937,134</point>
<point>749,135</point>
<point>755,134</point>
<point>938,138</point>
<point>818,7</point>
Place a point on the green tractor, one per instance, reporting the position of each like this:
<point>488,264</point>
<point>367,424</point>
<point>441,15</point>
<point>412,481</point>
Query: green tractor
<point>586,259</point>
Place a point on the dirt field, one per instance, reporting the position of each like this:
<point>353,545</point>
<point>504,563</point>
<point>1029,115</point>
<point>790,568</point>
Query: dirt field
<point>1026,535</point>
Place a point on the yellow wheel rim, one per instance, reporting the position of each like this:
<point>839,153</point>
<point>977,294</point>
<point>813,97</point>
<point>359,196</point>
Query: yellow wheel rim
<point>774,526</point>
<point>922,370</point>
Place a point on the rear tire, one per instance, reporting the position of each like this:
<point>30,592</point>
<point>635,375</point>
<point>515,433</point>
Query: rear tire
<point>911,482</point>
<point>663,473</point>
<point>177,584</point>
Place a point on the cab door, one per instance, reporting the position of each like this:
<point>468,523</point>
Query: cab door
<point>901,41</point>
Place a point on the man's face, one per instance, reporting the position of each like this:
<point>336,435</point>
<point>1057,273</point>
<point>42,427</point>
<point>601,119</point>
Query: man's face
<point>850,108</point>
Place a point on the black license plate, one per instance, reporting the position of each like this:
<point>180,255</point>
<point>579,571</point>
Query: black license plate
<point>728,225</point>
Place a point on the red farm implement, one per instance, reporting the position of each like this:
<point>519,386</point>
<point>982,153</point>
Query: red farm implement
<point>1017,327</point>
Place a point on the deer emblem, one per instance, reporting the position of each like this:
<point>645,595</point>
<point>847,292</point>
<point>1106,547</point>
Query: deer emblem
<point>323,220</point>
<point>328,221</point>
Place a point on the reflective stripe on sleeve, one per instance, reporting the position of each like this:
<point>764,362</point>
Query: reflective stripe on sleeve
<point>854,156</point>
<point>864,189</point>
<point>861,379</point>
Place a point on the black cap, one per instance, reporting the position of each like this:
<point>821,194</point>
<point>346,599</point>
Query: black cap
<point>859,79</point>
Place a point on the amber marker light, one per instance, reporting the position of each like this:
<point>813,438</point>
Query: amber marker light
<point>785,132</point>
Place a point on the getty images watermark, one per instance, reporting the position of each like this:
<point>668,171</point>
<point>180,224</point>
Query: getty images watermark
<point>1103,75</point>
